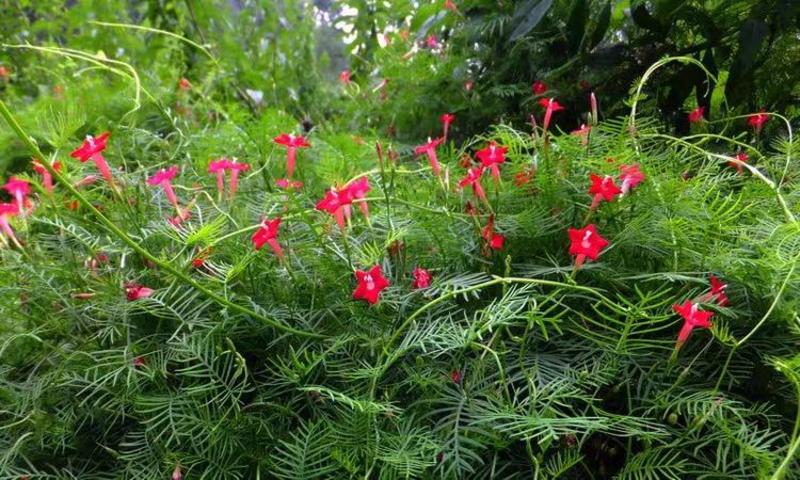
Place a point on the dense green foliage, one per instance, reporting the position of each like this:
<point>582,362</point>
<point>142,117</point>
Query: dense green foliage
<point>513,363</point>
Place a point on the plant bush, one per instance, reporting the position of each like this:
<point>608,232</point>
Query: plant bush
<point>160,321</point>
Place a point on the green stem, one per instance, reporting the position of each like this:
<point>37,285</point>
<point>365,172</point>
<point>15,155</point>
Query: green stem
<point>112,227</point>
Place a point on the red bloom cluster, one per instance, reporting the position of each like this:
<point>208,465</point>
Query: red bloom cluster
<point>219,167</point>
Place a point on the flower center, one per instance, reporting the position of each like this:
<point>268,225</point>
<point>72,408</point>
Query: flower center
<point>585,243</point>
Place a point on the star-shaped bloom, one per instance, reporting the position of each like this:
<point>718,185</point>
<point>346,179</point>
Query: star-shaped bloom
<point>491,157</point>
<point>473,179</point>
<point>47,179</point>
<point>8,210</point>
<point>422,278</point>
<point>92,148</point>
<point>267,233</point>
<point>757,120</point>
<point>551,106</point>
<point>494,240</point>
<point>585,243</point>
<point>693,318</point>
<point>429,149</point>
<point>630,176</point>
<point>337,202</point>
<point>163,178</point>
<point>717,292</point>
<point>696,115</point>
<point>358,191</point>
<point>135,291</point>
<point>602,188</point>
<point>370,285</point>
<point>743,158</point>
<point>292,143</point>
<point>539,87</point>
<point>446,119</point>
<point>18,189</point>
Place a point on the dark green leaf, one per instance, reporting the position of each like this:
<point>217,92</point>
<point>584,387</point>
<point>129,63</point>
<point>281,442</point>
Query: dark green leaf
<point>602,27</point>
<point>532,17</point>
<point>576,24</point>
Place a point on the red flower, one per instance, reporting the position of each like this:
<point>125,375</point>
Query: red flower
<point>631,176</point>
<point>550,105</point>
<point>743,158</point>
<point>4,72</point>
<point>494,240</point>
<point>538,87</point>
<point>446,119</point>
<point>422,278</point>
<point>602,188</point>
<point>524,177</point>
<point>218,167</point>
<point>18,189</point>
<point>696,115</point>
<point>449,5</point>
<point>139,361</point>
<point>717,292</point>
<point>358,191</point>
<point>585,242</point>
<point>235,167</point>
<point>473,178</point>
<point>757,120</point>
<point>429,149</point>
<point>163,178</point>
<point>92,148</point>
<point>456,377</point>
<point>492,156</point>
<point>268,233</point>
<point>431,41</point>
<point>692,318</point>
<point>135,291</point>
<point>370,285</point>
<point>469,85</point>
<point>8,210</point>
<point>337,202</point>
<point>47,179</point>
<point>344,77</point>
<point>177,474</point>
<point>292,143</point>
<point>582,132</point>
<point>286,184</point>
<point>184,84</point>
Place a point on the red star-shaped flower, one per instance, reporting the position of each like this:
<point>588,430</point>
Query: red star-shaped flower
<point>693,318</point>
<point>697,114</point>
<point>757,120</point>
<point>473,179</point>
<point>90,147</point>
<point>135,291</point>
<point>344,77</point>
<point>18,189</point>
<point>422,278</point>
<point>491,157</point>
<point>337,202</point>
<point>602,188</point>
<point>429,149</point>
<point>551,106</point>
<point>446,119</point>
<point>292,143</point>
<point>370,285</point>
<point>494,240</point>
<point>630,176</point>
<point>267,232</point>
<point>539,87</point>
<point>47,179</point>
<point>742,157</point>
<point>718,291</point>
<point>586,243</point>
